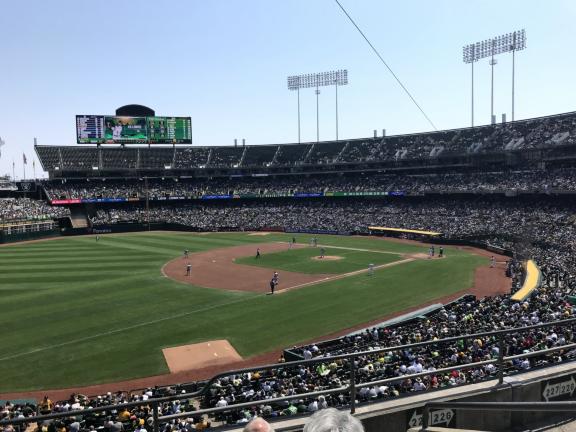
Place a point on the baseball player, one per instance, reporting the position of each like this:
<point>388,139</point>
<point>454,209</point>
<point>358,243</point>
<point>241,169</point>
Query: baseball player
<point>370,269</point>
<point>322,252</point>
<point>258,253</point>
<point>186,253</point>
<point>440,252</point>
<point>188,269</point>
<point>272,285</point>
<point>492,262</point>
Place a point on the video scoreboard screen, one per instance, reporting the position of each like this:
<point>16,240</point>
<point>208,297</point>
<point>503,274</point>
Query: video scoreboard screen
<point>97,129</point>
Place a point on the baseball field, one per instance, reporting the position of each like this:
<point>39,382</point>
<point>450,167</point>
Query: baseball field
<point>76,311</point>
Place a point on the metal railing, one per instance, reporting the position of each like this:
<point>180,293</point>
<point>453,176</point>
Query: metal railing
<point>350,389</point>
<point>497,406</point>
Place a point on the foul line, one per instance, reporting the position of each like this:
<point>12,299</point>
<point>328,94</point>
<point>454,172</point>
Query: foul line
<point>345,275</point>
<point>132,327</point>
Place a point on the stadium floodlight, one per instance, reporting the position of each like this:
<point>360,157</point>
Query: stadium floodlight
<point>316,80</point>
<point>509,42</point>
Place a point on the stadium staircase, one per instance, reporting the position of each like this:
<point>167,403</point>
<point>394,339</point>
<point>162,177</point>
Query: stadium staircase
<point>343,151</point>
<point>275,158</point>
<point>173,163</point>
<point>307,157</point>
<point>78,217</point>
<point>241,163</point>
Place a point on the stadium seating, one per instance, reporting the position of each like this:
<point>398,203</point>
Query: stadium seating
<point>544,132</point>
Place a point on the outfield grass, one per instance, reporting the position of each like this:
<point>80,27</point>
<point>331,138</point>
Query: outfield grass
<point>77,312</point>
<point>303,260</point>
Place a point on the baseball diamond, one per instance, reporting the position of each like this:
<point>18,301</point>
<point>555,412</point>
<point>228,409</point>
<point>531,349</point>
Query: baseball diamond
<point>129,266</point>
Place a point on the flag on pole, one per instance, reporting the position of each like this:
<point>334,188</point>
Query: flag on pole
<point>24,159</point>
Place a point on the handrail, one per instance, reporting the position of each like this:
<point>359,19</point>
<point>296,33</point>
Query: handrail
<point>353,384</point>
<point>391,348</point>
<point>351,388</point>
<point>496,406</point>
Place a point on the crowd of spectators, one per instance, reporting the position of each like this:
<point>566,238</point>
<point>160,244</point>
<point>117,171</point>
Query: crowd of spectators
<point>17,209</point>
<point>518,181</point>
<point>547,221</point>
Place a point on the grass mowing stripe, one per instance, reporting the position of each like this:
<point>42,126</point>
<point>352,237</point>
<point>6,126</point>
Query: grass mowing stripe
<point>121,303</point>
<point>124,329</point>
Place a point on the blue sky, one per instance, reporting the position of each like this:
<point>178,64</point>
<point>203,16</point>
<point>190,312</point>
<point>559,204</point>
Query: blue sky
<point>225,62</point>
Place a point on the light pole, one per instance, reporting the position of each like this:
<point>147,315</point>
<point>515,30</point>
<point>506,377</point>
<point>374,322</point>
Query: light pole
<point>492,62</point>
<point>510,42</point>
<point>317,114</point>
<point>317,80</point>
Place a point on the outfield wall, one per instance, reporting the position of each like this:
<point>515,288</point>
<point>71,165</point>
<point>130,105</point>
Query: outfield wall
<point>28,236</point>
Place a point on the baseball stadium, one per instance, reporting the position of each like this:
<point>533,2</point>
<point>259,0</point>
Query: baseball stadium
<point>415,281</point>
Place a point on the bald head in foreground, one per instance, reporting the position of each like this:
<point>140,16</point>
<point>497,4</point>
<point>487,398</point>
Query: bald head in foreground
<point>332,420</point>
<point>258,424</point>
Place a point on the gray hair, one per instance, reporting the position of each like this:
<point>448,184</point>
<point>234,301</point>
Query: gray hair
<point>258,424</point>
<point>332,420</point>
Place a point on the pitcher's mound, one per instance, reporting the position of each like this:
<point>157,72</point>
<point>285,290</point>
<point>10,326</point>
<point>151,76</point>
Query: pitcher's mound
<point>187,357</point>
<point>327,258</point>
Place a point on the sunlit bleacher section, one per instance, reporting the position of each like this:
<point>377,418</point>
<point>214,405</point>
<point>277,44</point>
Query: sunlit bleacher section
<point>28,219</point>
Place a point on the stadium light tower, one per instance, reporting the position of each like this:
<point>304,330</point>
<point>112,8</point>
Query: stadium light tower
<point>317,80</point>
<point>510,42</point>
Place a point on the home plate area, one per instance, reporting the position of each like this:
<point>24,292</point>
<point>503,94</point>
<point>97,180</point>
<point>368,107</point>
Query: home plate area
<point>199,355</point>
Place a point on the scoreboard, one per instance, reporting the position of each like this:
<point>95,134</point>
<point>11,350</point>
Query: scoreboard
<point>89,129</point>
<point>170,130</point>
<point>98,129</point>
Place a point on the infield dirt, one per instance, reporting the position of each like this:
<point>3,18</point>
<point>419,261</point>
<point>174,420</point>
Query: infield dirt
<point>217,269</point>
